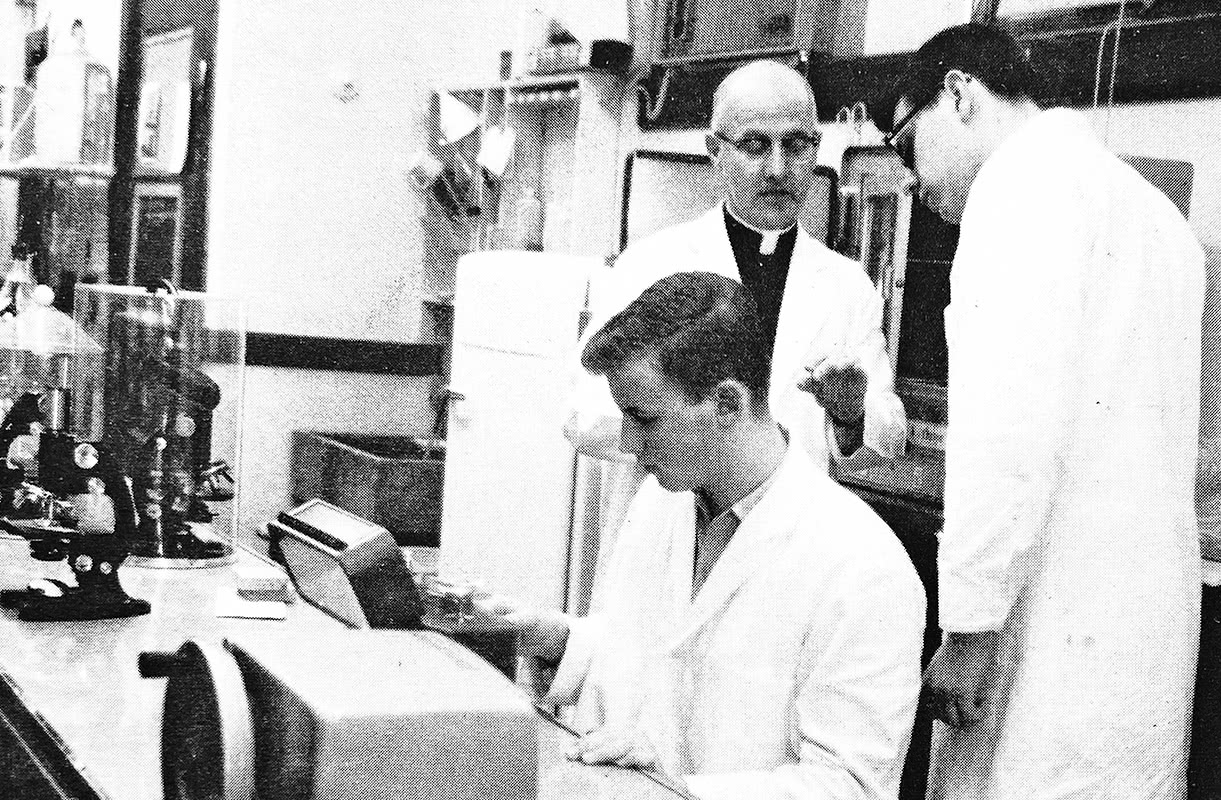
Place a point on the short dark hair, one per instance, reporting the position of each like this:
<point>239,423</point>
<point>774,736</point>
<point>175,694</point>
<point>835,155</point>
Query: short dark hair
<point>698,328</point>
<point>986,52</point>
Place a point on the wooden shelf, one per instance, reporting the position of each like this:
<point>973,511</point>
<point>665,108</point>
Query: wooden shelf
<point>32,169</point>
<point>539,81</point>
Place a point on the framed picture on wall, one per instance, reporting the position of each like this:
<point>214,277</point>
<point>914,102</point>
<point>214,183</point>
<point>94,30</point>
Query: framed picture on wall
<point>156,234</point>
<point>165,101</point>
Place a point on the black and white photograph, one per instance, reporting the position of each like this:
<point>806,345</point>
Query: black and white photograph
<point>610,400</point>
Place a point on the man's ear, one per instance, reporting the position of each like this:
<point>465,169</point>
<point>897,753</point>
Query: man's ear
<point>961,88</point>
<point>732,402</point>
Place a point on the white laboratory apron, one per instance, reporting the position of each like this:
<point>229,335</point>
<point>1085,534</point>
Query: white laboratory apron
<point>794,673</point>
<point>829,309</point>
<point>1074,346</point>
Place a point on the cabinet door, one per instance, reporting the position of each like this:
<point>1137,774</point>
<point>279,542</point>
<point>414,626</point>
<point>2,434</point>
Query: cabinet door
<point>507,501</point>
<point>705,27</point>
<point>26,772</point>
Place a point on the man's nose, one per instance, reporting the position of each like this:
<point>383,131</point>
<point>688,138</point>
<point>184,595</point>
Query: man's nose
<point>631,440</point>
<point>777,160</point>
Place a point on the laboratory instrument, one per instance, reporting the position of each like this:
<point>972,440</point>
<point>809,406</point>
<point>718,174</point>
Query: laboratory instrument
<point>160,393</point>
<point>341,714</point>
<point>66,495</point>
<point>107,437</point>
<point>353,570</point>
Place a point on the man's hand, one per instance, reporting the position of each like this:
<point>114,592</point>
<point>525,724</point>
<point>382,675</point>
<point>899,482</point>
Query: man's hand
<point>839,387</point>
<point>624,746</point>
<point>540,634</point>
<point>960,677</point>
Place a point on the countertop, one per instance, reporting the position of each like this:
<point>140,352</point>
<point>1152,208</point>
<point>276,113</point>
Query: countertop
<point>79,680</point>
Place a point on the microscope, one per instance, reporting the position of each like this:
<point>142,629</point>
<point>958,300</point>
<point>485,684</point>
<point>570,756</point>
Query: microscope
<point>66,496</point>
<point>107,450</point>
<point>166,404</point>
<point>70,501</point>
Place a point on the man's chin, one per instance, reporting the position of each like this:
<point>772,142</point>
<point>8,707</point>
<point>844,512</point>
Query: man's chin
<point>949,215</point>
<point>939,204</point>
<point>671,483</point>
<point>774,212</point>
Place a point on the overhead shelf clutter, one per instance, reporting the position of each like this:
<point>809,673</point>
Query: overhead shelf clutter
<point>62,122</point>
<point>544,93</point>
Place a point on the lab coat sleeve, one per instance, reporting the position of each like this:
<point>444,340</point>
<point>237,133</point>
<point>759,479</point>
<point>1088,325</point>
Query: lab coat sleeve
<point>853,713</point>
<point>885,418</point>
<point>604,659</point>
<point>584,633</point>
<point>1012,330</point>
<point>588,635</point>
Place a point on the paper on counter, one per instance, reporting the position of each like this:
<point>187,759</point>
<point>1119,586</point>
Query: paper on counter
<point>230,604</point>
<point>260,577</point>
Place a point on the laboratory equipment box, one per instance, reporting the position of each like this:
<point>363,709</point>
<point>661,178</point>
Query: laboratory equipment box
<point>392,481</point>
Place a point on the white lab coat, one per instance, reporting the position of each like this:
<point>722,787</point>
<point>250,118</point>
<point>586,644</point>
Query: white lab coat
<point>796,670</point>
<point>829,309</point>
<point>1074,344</point>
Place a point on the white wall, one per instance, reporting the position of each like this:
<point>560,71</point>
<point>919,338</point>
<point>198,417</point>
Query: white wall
<point>311,215</point>
<point>1185,131</point>
<point>896,26</point>
<point>310,200</point>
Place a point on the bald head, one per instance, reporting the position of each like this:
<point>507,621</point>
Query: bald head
<point>761,83</point>
<point>763,143</point>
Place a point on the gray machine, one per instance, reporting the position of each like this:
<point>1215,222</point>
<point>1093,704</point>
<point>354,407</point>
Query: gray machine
<point>341,715</point>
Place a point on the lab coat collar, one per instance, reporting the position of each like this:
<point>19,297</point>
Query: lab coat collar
<point>755,543</point>
<point>1052,123</point>
<point>1051,128</point>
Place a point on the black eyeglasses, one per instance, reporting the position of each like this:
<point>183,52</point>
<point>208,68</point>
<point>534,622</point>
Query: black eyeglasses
<point>902,145</point>
<point>797,146</point>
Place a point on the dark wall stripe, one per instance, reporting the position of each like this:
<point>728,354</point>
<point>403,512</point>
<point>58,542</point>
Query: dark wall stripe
<point>343,355</point>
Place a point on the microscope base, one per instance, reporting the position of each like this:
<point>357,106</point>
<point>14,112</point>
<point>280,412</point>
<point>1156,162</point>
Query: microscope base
<point>182,549</point>
<point>74,604</point>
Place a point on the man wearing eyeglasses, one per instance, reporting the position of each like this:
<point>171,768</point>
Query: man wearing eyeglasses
<point>821,315</point>
<point>1069,563</point>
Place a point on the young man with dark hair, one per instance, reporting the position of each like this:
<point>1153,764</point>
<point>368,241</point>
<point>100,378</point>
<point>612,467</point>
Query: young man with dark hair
<point>1069,567</point>
<point>759,628</point>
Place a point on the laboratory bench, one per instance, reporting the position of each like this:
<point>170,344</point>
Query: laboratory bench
<point>78,721</point>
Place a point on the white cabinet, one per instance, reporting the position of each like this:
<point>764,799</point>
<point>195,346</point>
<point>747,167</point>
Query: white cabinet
<point>508,469</point>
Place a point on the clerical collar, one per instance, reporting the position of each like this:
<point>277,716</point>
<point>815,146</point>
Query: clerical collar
<point>767,239</point>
